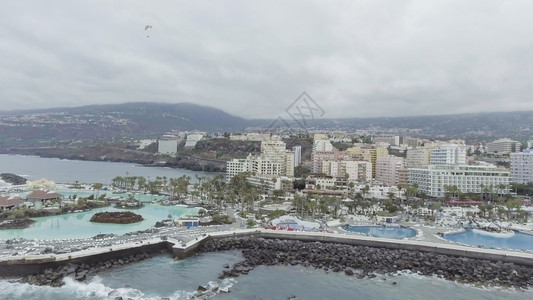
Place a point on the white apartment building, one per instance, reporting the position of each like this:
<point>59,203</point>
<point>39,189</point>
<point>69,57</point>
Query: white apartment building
<point>193,138</point>
<point>387,169</point>
<point>274,149</point>
<point>409,141</point>
<point>355,170</point>
<point>269,182</point>
<point>276,152</point>
<point>167,146</point>
<point>322,145</point>
<point>288,164</point>
<point>522,166</point>
<point>274,160</point>
<point>417,157</point>
<point>469,179</point>
<point>503,146</point>
<point>359,170</point>
<point>297,155</point>
<point>236,166</point>
<point>448,154</point>
<point>391,140</point>
<point>318,157</point>
<point>263,165</point>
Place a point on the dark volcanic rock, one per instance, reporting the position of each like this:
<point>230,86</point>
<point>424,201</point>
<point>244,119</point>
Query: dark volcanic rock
<point>16,224</point>
<point>80,272</point>
<point>369,261</point>
<point>126,217</point>
<point>13,178</point>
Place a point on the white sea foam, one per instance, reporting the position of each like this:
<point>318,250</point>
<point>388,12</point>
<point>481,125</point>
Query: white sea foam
<point>4,184</point>
<point>72,289</point>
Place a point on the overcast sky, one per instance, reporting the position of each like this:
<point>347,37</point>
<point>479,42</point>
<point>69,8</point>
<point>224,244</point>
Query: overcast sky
<point>253,58</point>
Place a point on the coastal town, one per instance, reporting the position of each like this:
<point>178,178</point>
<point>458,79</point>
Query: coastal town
<point>381,188</point>
<point>293,150</point>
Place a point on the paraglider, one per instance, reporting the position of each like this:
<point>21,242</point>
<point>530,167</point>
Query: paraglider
<point>146,27</point>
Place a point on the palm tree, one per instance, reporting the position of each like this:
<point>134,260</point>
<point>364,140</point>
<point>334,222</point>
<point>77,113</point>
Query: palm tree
<point>400,188</point>
<point>141,183</point>
<point>97,187</point>
<point>391,196</point>
<point>502,189</point>
<point>365,190</point>
<point>312,207</point>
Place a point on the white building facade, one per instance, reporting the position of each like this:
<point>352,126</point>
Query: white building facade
<point>297,155</point>
<point>522,166</point>
<point>448,154</point>
<point>468,179</point>
<point>417,157</point>
<point>353,170</point>
<point>167,146</point>
<point>274,160</point>
<point>503,146</point>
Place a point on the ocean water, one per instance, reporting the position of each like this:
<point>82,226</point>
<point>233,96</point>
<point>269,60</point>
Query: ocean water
<point>161,276</point>
<point>78,225</point>
<point>517,241</point>
<point>70,171</point>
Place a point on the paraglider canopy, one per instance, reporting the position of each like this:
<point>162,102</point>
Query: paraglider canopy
<point>146,27</point>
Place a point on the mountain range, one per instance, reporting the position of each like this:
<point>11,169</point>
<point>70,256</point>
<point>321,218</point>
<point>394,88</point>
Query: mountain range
<point>144,119</point>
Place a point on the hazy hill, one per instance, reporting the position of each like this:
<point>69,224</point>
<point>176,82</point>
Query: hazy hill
<point>128,119</point>
<point>470,126</point>
<point>153,119</point>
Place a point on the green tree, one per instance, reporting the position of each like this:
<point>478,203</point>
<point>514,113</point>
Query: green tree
<point>97,187</point>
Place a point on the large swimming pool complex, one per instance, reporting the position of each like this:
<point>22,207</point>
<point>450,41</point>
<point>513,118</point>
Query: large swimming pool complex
<point>390,232</point>
<point>518,240</point>
<point>75,225</point>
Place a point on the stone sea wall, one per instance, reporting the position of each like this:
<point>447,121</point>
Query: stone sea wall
<point>47,270</point>
<point>363,261</point>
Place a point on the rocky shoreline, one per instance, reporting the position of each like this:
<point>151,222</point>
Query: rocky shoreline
<point>16,224</point>
<point>54,277</point>
<point>364,261</point>
<point>13,178</point>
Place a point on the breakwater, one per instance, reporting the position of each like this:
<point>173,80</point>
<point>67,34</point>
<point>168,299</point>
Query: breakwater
<point>51,269</point>
<point>353,255</point>
<point>365,261</point>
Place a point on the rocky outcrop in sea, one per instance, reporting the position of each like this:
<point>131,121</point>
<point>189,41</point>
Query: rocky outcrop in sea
<point>116,217</point>
<point>16,223</point>
<point>13,178</point>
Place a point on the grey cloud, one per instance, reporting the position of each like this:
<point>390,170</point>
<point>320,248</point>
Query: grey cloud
<point>252,59</point>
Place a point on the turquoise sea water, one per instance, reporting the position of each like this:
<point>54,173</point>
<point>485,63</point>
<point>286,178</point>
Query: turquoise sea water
<point>390,232</point>
<point>76,225</point>
<point>161,276</point>
<point>517,241</point>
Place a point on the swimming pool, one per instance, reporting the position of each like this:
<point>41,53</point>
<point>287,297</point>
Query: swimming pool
<point>390,232</point>
<point>518,240</point>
